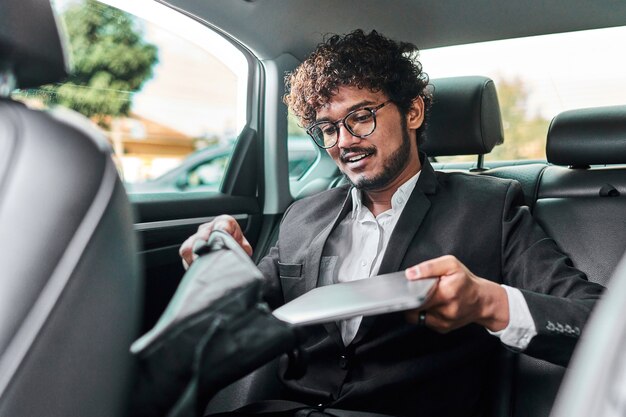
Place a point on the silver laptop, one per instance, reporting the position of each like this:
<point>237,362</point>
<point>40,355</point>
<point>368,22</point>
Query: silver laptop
<point>366,297</point>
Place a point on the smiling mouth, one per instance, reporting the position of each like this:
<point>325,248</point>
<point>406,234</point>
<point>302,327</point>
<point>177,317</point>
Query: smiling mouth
<point>357,157</point>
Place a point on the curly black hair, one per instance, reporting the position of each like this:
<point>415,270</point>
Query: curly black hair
<point>360,60</point>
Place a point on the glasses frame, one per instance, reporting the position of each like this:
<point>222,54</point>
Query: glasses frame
<point>342,121</point>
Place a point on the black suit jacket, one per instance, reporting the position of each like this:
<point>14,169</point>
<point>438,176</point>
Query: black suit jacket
<point>396,368</point>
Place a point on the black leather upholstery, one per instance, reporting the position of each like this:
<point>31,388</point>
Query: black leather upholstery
<point>69,288</point>
<point>584,210</point>
<point>69,292</point>
<point>588,137</point>
<point>465,117</point>
<point>527,175</point>
<point>30,44</point>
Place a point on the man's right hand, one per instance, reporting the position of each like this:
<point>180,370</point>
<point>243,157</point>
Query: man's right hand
<point>224,223</point>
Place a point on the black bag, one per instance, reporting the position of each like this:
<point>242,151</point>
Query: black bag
<point>214,331</point>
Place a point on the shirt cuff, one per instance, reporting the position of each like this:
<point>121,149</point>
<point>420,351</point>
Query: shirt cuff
<point>521,328</point>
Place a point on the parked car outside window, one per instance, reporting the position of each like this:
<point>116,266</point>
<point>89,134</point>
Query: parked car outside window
<point>203,170</point>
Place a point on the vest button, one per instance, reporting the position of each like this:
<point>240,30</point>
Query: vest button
<point>343,362</point>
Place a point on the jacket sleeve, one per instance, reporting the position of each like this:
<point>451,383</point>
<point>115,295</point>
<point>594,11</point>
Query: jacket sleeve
<point>559,296</point>
<point>272,292</point>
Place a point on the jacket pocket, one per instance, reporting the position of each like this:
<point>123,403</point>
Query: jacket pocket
<point>293,271</point>
<point>291,280</point>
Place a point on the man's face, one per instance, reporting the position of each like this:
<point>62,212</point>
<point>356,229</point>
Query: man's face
<point>386,158</point>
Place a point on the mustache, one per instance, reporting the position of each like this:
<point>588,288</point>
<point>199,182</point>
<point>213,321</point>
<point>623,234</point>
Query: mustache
<point>356,149</point>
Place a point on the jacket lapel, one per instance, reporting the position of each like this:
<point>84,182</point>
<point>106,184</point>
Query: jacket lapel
<point>312,262</point>
<point>410,220</point>
<point>408,224</point>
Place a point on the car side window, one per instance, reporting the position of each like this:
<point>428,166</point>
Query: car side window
<point>162,99</point>
<point>301,149</point>
<point>205,176</point>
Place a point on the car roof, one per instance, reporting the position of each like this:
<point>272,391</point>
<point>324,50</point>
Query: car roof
<point>272,27</point>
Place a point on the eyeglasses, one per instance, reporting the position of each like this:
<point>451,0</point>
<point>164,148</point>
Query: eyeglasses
<point>360,123</point>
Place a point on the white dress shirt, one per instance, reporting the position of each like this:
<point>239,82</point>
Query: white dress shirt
<point>354,250</point>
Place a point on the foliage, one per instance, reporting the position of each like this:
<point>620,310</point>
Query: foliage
<point>109,57</point>
<point>524,134</point>
<point>293,126</point>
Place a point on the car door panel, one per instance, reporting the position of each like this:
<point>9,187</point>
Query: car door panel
<point>164,220</point>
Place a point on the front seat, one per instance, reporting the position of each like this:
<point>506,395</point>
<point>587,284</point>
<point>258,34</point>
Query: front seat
<point>69,279</point>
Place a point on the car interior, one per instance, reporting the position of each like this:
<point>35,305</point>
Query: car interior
<point>88,268</point>
<point>71,290</point>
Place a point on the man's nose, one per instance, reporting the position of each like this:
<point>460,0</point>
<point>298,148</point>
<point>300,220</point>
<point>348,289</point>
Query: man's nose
<point>345,139</point>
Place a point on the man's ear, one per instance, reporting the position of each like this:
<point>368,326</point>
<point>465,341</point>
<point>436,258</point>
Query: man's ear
<point>415,115</point>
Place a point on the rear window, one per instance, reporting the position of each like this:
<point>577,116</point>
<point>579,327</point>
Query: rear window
<point>537,78</point>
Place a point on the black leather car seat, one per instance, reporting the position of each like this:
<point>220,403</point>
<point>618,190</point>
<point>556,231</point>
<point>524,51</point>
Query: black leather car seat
<point>465,117</point>
<point>581,203</point>
<point>69,283</point>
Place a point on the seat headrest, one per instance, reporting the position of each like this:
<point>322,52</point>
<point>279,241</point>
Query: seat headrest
<point>30,44</point>
<point>582,137</point>
<point>465,117</point>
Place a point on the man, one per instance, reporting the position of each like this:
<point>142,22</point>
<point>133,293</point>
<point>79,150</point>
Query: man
<point>364,99</point>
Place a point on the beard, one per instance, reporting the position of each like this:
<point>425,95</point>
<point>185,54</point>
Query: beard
<point>393,166</point>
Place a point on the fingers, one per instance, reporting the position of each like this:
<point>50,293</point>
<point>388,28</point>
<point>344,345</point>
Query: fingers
<point>225,223</point>
<point>438,267</point>
<point>230,226</point>
<point>456,300</point>
<point>246,245</point>
<point>186,249</point>
<point>413,316</point>
<point>433,320</point>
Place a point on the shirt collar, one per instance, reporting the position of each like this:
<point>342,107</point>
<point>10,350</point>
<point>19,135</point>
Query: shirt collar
<point>398,200</point>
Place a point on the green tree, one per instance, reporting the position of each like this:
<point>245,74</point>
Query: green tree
<point>110,61</point>
<point>524,134</point>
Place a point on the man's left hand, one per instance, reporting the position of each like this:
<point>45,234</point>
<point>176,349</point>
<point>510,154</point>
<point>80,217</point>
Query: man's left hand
<point>460,297</point>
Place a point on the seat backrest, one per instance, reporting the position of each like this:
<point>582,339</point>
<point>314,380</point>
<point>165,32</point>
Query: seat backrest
<point>69,290</point>
<point>587,189</point>
<point>581,203</point>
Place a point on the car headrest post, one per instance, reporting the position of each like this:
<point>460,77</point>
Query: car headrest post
<point>7,83</point>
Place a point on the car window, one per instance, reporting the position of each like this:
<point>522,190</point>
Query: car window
<point>301,149</point>
<point>208,174</point>
<point>537,78</point>
<point>158,97</point>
